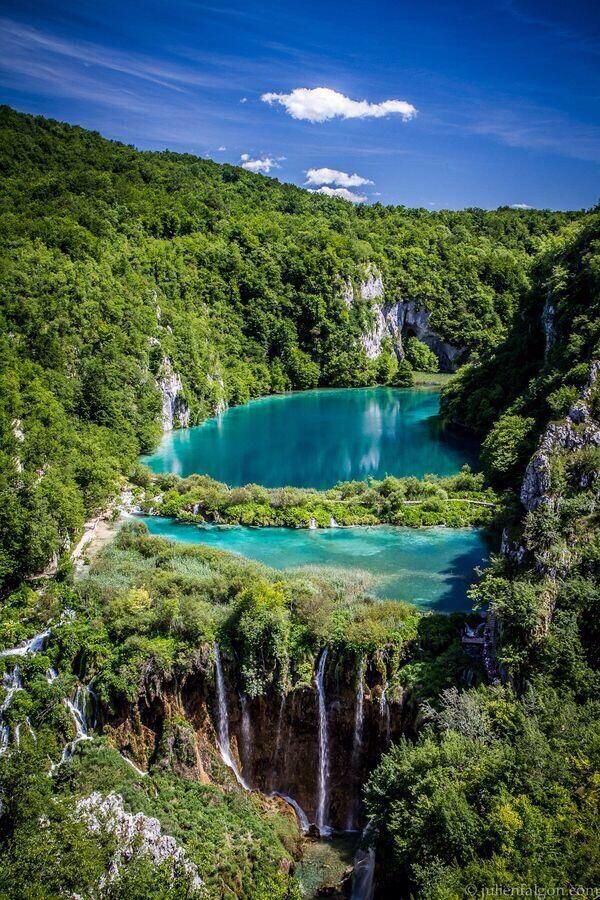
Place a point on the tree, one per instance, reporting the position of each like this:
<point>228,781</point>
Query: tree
<point>421,358</point>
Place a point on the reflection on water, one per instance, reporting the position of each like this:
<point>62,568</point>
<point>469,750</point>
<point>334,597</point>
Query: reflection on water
<point>317,438</point>
<point>431,567</point>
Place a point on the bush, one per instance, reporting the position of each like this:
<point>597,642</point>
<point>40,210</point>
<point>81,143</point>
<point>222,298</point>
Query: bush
<point>418,354</point>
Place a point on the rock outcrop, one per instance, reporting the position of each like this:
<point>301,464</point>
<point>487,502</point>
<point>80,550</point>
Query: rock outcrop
<point>174,408</point>
<point>137,836</point>
<point>395,320</point>
<point>413,320</point>
<point>578,429</point>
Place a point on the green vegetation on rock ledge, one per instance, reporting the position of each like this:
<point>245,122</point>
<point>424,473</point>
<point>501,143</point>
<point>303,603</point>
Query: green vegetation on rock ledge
<point>457,501</point>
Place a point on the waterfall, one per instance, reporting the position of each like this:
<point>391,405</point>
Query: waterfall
<point>359,710</point>
<point>246,732</point>
<point>133,765</point>
<point>300,814</point>
<point>78,707</point>
<point>363,876</point>
<point>548,313</point>
<point>312,523</point>
<point>277,750</point>
<point>332,522</point>
<point>223,721</point>
<point>322,796</point>
<point>384,709</point>
<point>33,645</point>
<point>11,682</point>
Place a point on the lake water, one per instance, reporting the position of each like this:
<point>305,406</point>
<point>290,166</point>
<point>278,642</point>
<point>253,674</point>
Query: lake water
<point>431,567</point>
<point>317,438</point>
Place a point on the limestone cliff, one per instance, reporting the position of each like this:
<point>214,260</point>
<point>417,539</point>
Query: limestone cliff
<point>395,319</point>
<point>578,429</point>
<point>174,408</point>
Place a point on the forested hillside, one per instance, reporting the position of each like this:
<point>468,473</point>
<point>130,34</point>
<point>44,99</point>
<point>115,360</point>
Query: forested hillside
<point>142,290</point>
<point>129,277</point>
<point>501,788</point>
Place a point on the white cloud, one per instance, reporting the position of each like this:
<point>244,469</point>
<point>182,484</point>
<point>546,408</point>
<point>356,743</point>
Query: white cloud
<point>334,176</point>
<point>244,100</point>
<point>221,149</point>
<point>320,104</point>
<point>264,164</point>
<point>520,206</point>
<point>341,192</point>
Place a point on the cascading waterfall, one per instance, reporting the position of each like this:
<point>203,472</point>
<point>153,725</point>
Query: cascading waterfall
<point>78,707</point>
<point>363,876</point>
<point>223,721</point>
<point>384,709</point>
<point>300,814</point>
<point>246,732</point>
<point>11,682</point>
<point>323,787</point>
<point>359,714</point>
<point>33,645</point>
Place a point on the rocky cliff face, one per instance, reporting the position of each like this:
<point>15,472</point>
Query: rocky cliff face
<point>579,429</point>
<point>395,319</point>
<point>273,738</point>
<point>174,408</point>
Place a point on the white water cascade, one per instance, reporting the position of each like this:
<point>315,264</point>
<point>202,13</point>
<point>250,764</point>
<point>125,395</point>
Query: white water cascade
<point>33,645</point>
<point>323,788</point>
<point>300,814</point>
<point>11,682</point>
<point>223,722</point>
<point>384,709</point>
<point>357,739</point>
<point>79,709</point>
<point>363,876</point>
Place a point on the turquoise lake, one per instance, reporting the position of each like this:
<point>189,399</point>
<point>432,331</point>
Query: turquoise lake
<point>317,438</point>
<point>431,567</point>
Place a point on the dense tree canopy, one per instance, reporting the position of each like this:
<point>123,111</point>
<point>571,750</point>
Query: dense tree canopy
<point>113,260</point>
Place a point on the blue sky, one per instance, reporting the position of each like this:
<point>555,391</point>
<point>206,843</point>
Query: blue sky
<point>500,99</point>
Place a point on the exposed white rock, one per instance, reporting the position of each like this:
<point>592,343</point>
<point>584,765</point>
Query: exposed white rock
<point>371,287</point>
<point>347,294</point>
<point>174,408</point>
<point>394,319</point>
<point>577,430</point>
<point>137,836</point>
<point>19,436</point>
<point>17,430</point>
<point>386,324</point>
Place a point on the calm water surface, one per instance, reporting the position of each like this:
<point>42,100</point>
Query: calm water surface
<point>317,438</point>
<point>431,567</point>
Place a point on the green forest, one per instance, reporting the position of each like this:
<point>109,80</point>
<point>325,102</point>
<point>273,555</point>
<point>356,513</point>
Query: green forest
<point>114,260</point>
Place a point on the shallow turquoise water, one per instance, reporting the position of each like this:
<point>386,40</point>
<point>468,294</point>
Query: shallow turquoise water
<point>431,567</point>
<point>317,438</point>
